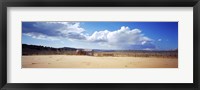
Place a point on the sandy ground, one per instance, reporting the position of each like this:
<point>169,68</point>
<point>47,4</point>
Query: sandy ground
<point>65,61</point>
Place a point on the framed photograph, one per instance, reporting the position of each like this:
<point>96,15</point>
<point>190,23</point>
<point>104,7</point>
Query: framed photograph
<point>105,44</point>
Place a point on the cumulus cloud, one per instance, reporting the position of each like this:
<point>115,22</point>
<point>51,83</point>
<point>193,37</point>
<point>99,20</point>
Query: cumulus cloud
<point>124,38</point>
<point>99,36</point>
<point>70,30</point>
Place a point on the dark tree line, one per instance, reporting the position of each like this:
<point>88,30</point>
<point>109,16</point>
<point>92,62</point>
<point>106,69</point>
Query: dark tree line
<point>43,50</point>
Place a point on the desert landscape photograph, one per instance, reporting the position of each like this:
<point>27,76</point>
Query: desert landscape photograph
<point>99,44</point>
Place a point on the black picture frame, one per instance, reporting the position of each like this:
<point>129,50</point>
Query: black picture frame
<point>98,3</point>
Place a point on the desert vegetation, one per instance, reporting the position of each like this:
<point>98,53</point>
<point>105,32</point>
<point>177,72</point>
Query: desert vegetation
<point>163,54</point>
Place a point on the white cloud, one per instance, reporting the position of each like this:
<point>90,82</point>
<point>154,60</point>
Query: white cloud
<point>71,27</point>
<point>122,38</point>
<point>99,36</point>
<point>159,40</point>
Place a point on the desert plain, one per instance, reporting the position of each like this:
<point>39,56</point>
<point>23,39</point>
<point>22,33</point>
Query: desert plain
<point>82,61</point>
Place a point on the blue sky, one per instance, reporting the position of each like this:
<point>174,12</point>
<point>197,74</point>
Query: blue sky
<point>102,35</point>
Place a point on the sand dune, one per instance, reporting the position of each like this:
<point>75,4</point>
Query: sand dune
<point>73,61</point>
